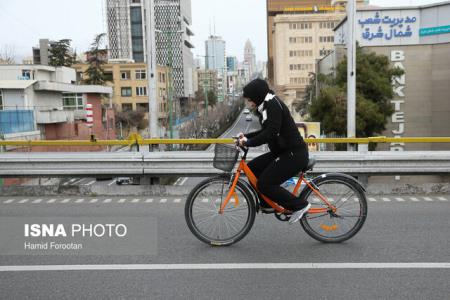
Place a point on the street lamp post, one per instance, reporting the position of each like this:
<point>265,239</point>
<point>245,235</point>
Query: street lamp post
<point>151,67</point>
<point>351,70</point>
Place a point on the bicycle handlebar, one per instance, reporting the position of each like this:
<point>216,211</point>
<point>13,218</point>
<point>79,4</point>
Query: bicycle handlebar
<point>244,149</point>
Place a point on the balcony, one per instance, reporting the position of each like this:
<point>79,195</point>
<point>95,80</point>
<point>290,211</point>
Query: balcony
<point>54,116</point>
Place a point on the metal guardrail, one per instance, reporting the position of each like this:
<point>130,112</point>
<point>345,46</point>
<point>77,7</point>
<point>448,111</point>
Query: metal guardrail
<point>195,163</point>
<point>136,139</point>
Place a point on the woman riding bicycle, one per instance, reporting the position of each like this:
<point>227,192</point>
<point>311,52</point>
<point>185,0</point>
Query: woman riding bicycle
<point>288,152</point>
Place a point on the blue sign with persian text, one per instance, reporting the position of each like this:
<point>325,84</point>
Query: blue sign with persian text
<point>386,27</point>
<point>434,30</point>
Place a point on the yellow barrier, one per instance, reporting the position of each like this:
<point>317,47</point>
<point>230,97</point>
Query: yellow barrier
<point>136,139</point>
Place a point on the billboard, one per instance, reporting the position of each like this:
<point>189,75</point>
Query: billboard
<point>310,130</point>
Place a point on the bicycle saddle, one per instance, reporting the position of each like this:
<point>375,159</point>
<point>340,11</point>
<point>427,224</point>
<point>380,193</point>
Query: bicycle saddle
<point>311,163</point>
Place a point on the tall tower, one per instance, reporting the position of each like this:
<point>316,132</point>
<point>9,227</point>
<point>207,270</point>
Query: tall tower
<point>215,59</point>
<point>127,37</point>
<point>249,57</point>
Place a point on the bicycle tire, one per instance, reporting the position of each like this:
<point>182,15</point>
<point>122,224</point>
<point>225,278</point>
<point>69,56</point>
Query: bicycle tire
<point>195,197</point>
<point>340,182</point>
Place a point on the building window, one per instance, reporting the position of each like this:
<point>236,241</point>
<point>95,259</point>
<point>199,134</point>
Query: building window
<point>301,40</point>
<point>126,92</point>
<point>141,91</point>
<point>108,76</point>
<point>326,39</point>
<point>300,67</point>
<point>300,25</point>
<point>26,74</point>
<point>299,80</point>
<point>127,106</point>
<point>300,53</point>
<point>325,52</point>
<point>141,74</point>
<point>1,100</point>
<point>72,101</point>
<point>142,107</point>
<point>124,75</point>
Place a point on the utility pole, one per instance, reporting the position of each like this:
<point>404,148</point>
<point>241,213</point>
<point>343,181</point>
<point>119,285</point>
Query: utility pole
<point>351,71</point>
<point>151,67</point>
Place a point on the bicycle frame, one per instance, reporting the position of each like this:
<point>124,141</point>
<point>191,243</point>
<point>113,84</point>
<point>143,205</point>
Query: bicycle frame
<point>243,167</point>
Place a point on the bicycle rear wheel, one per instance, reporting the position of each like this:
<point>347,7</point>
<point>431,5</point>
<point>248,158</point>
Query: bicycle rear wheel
<point>350,201</point>
<point>202,212</point>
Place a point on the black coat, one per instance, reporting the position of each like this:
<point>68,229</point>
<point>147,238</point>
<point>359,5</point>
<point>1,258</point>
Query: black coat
<point>279,130</point>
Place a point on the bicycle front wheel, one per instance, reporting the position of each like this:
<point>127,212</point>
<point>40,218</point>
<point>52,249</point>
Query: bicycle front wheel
<point>351,209</point>
<point>203,217</point>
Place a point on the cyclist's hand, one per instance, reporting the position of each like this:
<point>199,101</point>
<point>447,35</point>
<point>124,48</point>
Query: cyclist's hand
<point>240,135</point>
<point>242,141</point>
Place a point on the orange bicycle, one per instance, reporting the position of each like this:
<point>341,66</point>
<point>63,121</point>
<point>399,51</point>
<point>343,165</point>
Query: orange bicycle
<point>221,210</point>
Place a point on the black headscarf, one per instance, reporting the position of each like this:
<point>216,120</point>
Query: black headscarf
<point>256,90</point>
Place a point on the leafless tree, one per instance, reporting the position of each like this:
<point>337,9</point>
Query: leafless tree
<point>7,56</point>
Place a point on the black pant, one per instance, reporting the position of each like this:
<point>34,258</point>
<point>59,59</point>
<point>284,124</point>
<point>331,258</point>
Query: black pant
<point>272,170</point>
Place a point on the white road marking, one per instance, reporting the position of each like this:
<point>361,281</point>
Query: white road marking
<point>177,200</point>
<point>90,183</point>
<point>427,199</point>
<point>122,200</point>
<point>372,199</point>
<point>8,201</point>
<point>93,200</point>
<point>107,200</point>
<point>400,199</point>
<point>205,200</point>
<point>184,180</point>
<point>23,201</point>
<point>150,200</point>
<point>111,182</point>
<point>442,198</point>
<point>36,201</point>
<point>53,200</point>
<point>386,199</point>
<point>136,200</point>
<point>226,266</point>
<point>414,199</point>
<point>65,200</point>
<point>163,200</point>
<point>81,200</point>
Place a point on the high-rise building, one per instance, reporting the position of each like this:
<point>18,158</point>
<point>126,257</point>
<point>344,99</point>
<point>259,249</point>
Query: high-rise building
<point>281,7</point>
<point>127,37</point>
<point>232,63</point>
<point>215,59</point>
<point>249,56</point>
<point>215,53</point>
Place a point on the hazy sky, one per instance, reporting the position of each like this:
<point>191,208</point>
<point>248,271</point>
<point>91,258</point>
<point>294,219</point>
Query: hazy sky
<point>24,22</point>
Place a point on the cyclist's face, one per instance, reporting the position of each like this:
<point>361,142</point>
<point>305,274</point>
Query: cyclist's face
<point>251,104</point>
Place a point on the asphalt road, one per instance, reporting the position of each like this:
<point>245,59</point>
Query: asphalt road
<point>408,229</point>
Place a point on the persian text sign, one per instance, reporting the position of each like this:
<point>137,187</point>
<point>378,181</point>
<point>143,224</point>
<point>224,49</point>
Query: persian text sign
<point>434,30</point>
<point>388,27</point>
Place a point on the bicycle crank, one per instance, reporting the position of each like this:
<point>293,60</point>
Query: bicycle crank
<point>282,217</point>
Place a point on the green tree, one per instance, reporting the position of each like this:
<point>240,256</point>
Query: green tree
<point>212,98</point>
<point>60,54</point>
<point>95,73</point>
<point>373,92</point>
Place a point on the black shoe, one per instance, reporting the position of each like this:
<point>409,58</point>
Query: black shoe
<point>266,208</point>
